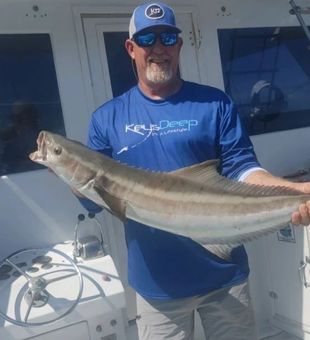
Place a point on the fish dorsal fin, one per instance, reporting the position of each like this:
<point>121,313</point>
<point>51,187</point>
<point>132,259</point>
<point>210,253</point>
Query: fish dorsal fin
<point>200,172</point>
<point>117,206</point>
<point>206,173</point>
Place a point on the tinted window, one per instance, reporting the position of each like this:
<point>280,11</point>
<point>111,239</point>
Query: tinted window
<point>29,98</point>
<point>120,67</point>
<point>267,73</point>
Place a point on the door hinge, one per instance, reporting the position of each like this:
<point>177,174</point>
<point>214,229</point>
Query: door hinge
<point>195,35</point>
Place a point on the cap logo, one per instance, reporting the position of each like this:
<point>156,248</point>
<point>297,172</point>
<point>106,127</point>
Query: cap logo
<point>154,11</point>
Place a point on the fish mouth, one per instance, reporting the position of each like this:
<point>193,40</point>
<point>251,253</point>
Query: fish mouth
<point>40,155</point>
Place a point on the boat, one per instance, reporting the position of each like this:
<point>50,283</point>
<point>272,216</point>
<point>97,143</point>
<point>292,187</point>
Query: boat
<point>63,270</point>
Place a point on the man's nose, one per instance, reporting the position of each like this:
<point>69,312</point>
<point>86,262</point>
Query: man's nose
<point>158,46</point>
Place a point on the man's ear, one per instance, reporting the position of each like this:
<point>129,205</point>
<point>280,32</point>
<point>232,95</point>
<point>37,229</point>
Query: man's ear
<point>130,48</point>
<point>180,43</point>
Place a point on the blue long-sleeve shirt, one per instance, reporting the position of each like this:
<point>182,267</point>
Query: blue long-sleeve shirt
<point>195,124</point>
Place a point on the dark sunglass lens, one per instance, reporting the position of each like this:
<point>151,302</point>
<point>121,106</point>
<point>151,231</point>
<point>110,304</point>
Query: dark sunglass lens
<point>145,40</point>
<point>168,38</point>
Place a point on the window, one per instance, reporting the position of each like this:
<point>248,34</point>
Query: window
<point>267,73</point>
<point>120,67</point>
<point>29,98</point>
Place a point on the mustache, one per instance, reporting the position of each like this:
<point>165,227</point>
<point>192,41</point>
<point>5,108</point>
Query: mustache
<point>158,59</point>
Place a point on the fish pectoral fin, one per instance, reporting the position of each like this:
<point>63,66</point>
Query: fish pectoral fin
<point>117,206</point>
<point>222,251</point>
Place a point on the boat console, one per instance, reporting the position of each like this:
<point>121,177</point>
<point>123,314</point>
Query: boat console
<point>69,291</point>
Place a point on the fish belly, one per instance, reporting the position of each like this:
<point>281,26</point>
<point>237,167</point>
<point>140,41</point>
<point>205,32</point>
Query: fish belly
<point>222,229</point>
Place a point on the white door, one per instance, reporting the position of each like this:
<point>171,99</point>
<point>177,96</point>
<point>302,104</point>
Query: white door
<point>110,73</point>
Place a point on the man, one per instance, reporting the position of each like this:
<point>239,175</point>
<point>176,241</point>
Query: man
<point>162,124</point>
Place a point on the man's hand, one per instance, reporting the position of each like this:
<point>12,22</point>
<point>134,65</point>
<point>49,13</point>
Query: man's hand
<point>302,216</point>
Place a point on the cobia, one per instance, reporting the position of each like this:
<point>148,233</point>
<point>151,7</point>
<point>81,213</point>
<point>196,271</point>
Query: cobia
<point>195,201</point>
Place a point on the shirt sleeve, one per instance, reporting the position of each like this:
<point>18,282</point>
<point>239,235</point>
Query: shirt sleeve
<point>236,149</point>
<point>246,173</point>
<point>98,139</point>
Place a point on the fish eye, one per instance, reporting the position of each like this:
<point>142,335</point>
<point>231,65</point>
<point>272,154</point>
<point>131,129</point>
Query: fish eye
<point>57,150</point>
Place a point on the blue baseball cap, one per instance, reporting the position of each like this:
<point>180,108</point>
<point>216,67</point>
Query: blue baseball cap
<point>152,14</point>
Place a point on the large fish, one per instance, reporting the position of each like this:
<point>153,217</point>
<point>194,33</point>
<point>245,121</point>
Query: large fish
<point>195,201</point>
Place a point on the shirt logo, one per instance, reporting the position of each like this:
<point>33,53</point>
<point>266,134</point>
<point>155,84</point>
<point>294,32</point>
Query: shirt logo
<point>162,126</point>
<point>154,11</point>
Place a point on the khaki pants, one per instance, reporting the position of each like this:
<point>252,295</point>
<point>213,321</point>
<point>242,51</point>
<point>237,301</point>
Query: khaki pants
<point>226,314</point>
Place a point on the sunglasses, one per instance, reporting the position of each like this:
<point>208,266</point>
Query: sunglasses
<point>149,39</point>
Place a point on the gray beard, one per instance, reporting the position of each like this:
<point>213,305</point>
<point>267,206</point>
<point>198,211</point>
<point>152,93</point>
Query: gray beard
<point>158,76</point>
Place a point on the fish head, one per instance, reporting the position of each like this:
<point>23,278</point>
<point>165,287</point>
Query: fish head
<point>64,157</point>
<point>49,152</point>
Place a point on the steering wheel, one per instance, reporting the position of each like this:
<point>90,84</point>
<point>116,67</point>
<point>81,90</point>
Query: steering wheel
<point>37,286</point>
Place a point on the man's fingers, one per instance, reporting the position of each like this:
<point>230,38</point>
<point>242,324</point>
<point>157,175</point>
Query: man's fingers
<point>303,214</point>
<point>296,218</point>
